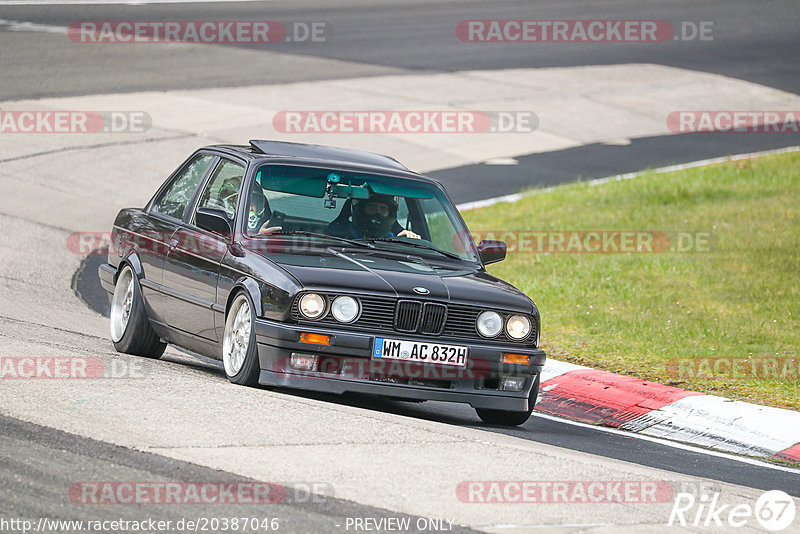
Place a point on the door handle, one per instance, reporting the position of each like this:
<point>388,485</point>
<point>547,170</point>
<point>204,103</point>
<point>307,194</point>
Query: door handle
<point>172,244</point>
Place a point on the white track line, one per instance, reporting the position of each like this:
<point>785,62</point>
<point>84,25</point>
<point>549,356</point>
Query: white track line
<point>724,424</point>
<point>466,206</point>
<point>17,26</point>
<point>668,443</point>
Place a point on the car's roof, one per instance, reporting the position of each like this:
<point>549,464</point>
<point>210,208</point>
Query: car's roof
<point>260,148</point>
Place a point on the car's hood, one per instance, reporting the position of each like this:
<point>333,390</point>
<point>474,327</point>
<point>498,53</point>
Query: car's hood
<point>398,275</point>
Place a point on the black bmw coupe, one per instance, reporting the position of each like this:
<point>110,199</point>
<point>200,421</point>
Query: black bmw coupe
<point>327,269</point>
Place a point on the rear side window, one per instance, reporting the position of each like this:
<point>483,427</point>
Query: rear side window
<point>174,200</point>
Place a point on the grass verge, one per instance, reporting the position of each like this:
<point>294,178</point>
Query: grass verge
<point>701,319</point>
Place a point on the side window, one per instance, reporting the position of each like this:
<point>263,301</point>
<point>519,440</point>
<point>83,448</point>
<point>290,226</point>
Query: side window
<point>175,199</point>
<point>222,190</point>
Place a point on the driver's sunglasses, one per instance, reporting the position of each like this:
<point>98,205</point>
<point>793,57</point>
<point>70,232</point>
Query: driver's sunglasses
<point>374,208</point>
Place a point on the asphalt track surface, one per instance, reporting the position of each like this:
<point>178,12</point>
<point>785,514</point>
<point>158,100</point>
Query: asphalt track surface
<point>754,41</point>
<point>599,160</point>
<point>39,462</point>
<point>757,42</point>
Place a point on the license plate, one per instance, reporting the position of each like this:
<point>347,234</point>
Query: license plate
<point>396,349</point>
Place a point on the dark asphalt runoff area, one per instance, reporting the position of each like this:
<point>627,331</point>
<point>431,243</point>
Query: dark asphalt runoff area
<point>598,160</point>
<point>40,465</point>
<point>753,41</point>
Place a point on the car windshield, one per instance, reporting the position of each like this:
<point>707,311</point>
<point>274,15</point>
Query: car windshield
<point>390,213</point>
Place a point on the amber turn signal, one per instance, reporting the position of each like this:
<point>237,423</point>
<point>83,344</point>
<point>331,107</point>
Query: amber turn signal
<point>319,339</point>
<point>519,359</point>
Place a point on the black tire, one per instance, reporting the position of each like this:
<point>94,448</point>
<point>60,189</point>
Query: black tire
<point>133,335</point>
<point>246,373</point>
<point>508,418</point>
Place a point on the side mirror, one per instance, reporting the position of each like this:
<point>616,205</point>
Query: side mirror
<point>213,220</point>
<point>492,251</point>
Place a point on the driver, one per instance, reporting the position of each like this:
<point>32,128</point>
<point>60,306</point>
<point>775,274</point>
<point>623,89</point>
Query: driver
<point>373,217</point>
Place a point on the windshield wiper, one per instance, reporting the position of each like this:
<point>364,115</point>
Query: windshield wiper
<point>360,244</point>
<point>415,244</point>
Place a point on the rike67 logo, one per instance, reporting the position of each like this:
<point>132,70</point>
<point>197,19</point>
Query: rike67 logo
<point>774,511</point>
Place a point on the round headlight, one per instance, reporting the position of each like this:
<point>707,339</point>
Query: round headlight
<point>518,326</point>
<point>489,324</point>
<point>344,309</point>
<point>312,305</point>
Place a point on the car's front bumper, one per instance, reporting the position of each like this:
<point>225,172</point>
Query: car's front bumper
<point>345,365</point>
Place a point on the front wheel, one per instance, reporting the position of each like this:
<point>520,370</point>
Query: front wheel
<point>131,332</point>
<point>509,418</point>
<point>239,350</point>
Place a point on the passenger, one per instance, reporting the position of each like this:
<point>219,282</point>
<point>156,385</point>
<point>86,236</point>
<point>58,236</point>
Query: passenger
<point>260,217</point>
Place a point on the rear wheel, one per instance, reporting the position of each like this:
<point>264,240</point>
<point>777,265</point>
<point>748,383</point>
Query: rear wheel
<point>239,350</point>
<point>509,418</point>
<point>131,332</point>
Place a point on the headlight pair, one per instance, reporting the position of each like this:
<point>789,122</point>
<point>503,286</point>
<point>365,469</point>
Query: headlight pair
<point>343,308</point>
<point>490,323</point>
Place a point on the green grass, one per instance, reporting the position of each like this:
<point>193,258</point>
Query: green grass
<point>633,313</point>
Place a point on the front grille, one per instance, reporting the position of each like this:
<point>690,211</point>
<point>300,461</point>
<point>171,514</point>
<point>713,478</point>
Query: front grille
<point>407,316</point>
<point>433,318</point>
<point>461,321</point>
<point>384,314</point>
<point>376,313</point>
